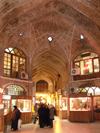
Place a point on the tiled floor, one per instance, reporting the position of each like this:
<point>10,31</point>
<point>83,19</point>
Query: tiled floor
<point>60,126</point>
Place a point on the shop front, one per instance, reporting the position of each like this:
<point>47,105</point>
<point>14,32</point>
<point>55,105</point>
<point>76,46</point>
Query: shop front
<point>23,103</point>
<point>96,109</point>
<point>94,91</point>
<point>16,95</point>
<point>61,105</point>
<point>45,98</point>
<point>80,107</point>
<point>3,114</point>
<point>3,118</point>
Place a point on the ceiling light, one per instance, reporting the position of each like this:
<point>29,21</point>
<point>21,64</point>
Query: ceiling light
<point>50,38</point>
<point>21,34</point>
<point>81,36</point>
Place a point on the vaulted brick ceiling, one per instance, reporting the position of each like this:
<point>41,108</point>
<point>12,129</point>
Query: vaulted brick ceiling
<point>64,20</point>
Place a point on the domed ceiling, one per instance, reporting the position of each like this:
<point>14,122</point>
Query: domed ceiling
<point>63,20</point>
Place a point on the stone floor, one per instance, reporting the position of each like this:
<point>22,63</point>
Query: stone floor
<point>59,126</point>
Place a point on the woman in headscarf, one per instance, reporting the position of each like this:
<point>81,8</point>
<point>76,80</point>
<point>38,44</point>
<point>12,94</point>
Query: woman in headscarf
<point>51,115</point>
<point>14,118</point>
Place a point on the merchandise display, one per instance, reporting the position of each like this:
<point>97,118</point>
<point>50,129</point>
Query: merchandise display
<point>24,105</point>
<point>96,103</point>
<point>80,104</point>
<point>80,107</point>
<point>63,103</point>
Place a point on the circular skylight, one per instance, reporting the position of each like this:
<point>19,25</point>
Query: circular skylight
<point>81,36</point>
<point>50,38</point>
<point>21,34</point>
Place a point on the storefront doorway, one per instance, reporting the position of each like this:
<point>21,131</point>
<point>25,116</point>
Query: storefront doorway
<point>95,93</point>
<point>9,92</point>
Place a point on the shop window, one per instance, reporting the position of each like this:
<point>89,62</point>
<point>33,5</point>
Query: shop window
<point>97,91</point>
<point>88,63</point>
<point>24,105</point>
<point>96,103</point>
<point>14,62</point>
<point>80,104</point>
<point>96,65</point>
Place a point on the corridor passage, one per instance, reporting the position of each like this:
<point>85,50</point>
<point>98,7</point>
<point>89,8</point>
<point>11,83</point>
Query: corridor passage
<point>60,126</point>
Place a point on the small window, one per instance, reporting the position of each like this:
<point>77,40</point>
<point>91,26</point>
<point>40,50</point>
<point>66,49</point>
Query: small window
<point>96,65</point>
<point>14,90</point>
<point>41,86</point>
<point>14,62</point>
<point>86,67</point>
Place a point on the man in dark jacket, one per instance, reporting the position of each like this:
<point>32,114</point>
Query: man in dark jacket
<point>47,115</point>
<point>41,113</point>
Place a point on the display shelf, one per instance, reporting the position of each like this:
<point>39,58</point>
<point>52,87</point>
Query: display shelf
<point>62,107</point>
<point>96,108</point>
<point>80,108</point>
<point>23,103</point>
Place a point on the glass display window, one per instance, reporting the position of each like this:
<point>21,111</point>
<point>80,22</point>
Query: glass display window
<point>14,102</point>
<point>80,104</point>
<point>96,104</point>
<point>24,105</point>
<point>96,65</point>
<point>88,63</point>
<point>3,110</point>
<point>6,105</point>
<point>63,103</point>
<point>86,67</point>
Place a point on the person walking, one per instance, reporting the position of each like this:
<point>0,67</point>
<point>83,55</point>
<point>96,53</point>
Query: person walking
<point>51,115</point>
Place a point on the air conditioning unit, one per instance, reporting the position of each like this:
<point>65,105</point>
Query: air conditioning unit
<point>23,75</point>
<point>75,71</point>
<point>73,90</point>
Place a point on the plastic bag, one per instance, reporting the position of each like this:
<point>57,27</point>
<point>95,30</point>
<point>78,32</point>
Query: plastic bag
<point>19,123</point>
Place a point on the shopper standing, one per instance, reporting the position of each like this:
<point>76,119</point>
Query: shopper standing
<point>51,114</point>
<point>46,116</point>
<point>41,112</point>
<point>36,112</point>
<point>16,114</point>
